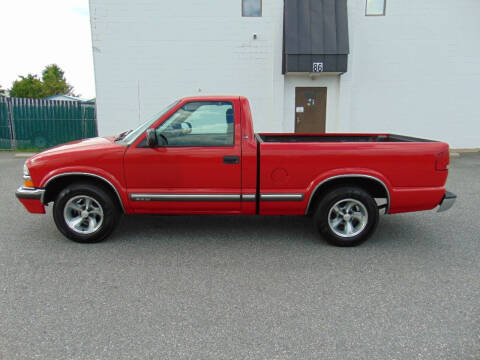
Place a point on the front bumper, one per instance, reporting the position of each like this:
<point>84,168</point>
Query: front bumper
<point>32,199</point>
<point>447,201</point>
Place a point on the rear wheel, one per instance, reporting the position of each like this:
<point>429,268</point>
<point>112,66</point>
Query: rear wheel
<point>346,216</point>
<point>85,213</point>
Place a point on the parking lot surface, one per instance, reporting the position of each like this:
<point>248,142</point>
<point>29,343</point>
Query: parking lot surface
<point>225,287</point>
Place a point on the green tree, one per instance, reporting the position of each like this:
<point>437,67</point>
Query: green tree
<point>2,91</point>
<point>27,87</point>
<point>54,82</point>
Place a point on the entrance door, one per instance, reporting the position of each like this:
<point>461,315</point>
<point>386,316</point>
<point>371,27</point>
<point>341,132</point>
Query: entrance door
<point>310,109</point>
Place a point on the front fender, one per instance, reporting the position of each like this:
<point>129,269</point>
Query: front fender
<point>98,173</point>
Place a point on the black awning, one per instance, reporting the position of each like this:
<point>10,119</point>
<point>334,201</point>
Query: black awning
<point>315,36</point>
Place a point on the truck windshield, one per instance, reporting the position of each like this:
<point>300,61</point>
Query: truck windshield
<point>132,135</point>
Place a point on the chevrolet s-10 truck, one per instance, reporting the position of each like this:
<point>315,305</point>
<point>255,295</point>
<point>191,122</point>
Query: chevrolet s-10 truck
<point>201,156</point>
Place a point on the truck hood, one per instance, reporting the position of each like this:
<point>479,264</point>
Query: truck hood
<point>75,150</point>
<point>80,145</point>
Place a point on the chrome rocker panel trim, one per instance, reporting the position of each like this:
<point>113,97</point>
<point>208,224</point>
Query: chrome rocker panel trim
<point>185,197</point>
<point>215,197</point>
<point>249,197</point>
<point>282,197</point>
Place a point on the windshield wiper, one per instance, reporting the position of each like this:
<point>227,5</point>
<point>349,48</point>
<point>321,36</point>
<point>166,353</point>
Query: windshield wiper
<point>122,135</point>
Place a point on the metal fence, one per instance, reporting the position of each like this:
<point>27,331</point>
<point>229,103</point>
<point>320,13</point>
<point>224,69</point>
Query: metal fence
<point>33,124</point>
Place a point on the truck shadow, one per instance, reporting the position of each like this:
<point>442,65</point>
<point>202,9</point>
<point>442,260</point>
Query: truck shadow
<point>210,227</point>
<point>392,231</point>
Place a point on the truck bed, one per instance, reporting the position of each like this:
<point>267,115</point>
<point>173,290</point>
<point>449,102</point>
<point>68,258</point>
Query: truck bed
<point>295,163</point>
<point>300,138</point>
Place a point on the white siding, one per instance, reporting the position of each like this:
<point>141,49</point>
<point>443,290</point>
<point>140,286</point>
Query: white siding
<point>148,53</point>
<point>415,71</point>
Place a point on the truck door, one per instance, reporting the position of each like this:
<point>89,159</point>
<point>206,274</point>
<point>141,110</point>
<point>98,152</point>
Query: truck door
<point>196,166</point>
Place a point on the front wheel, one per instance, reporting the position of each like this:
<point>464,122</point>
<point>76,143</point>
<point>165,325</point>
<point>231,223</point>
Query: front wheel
<point>346,216</point>
<point>85,213</point>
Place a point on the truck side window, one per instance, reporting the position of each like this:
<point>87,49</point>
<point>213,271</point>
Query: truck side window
<point>202,123</point>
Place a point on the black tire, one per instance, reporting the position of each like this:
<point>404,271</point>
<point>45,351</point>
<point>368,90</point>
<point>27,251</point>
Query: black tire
<point>349,200</point>
<point>107,205</point>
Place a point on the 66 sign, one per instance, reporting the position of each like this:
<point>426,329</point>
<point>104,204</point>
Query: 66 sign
<point>317,67</point>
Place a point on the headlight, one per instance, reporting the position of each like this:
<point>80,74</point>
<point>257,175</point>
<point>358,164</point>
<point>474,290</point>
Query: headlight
<point>26,172</point>
<point>27,180</point>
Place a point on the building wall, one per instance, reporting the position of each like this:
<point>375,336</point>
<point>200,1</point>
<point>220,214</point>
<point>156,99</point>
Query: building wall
<point>415,71</point>
<point>148,54</point>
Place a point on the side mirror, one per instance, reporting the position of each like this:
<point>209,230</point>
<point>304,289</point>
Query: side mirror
<point>151,138</point>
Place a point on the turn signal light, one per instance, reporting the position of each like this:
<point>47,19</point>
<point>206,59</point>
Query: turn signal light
<point>442,161</point>
<point>27,182</point>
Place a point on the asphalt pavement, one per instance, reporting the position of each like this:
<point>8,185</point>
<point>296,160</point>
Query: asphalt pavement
<point>226,287</point>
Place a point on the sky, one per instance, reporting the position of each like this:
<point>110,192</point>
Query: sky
<point>36,33</point>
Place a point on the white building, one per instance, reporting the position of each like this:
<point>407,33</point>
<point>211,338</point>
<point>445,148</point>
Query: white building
<point>413,69</point>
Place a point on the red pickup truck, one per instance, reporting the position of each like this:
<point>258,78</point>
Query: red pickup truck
<point>201,156</point>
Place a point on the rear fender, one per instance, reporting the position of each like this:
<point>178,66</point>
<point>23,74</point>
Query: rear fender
<point>345,174</point>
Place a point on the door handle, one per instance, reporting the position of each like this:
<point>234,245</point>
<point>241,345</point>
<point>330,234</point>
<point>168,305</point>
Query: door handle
<point>229,159</point>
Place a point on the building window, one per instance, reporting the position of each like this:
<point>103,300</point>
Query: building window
<point>375,8</point>
<point>252,8</point>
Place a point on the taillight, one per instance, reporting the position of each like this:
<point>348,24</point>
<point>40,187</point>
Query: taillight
<point>442,161</point>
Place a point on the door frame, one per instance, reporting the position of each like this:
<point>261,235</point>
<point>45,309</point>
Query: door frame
<point>172,200</point>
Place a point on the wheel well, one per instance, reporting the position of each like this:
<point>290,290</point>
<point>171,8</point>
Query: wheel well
<point>56,185</point>
<point>374,187</point>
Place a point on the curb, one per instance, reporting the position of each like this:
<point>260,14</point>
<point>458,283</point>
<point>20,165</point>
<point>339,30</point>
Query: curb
<point>459,152</point>
<point>24,155</point>
<point>473,150</point>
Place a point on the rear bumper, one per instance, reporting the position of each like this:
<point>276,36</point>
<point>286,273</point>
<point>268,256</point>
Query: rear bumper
<point>32,199</point>
<point>447,201</point>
